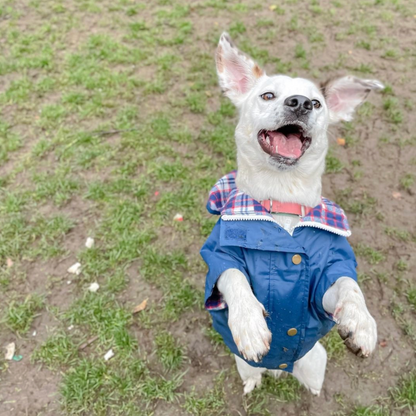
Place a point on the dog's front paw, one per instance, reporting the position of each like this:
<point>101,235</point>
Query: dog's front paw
<point>357,327</point>
<point>249,329</point>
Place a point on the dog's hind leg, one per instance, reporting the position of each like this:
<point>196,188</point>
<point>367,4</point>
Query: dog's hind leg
<point>310,369</point>
<point>251,376</point>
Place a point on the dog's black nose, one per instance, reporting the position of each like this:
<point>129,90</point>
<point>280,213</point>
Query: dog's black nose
<point>299,104</point>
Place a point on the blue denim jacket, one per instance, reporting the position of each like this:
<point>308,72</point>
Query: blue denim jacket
<point>291,291</point>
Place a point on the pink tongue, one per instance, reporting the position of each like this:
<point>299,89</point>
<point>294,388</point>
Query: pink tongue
<point>290,146</point>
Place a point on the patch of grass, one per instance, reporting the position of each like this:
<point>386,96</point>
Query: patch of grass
<point>171,171</point>
<point>20,314</point>
<point>219,139</point>
<point>364,68</point>
<point>196,102</point>
<point>401,265</point>
<point>51,115</point>
<point>334,345</point>
<point>98,386</point>
<point>273,390</point>
<point>212,402</point>
<point>393,112</point>
<point>358,174</point>
<point>407,181</point>
<point>370,411</point>
<point>364,45</point>
<point>363,277</point>
<point>103,316</point>
<point>316,9</point>
<point>163,269</point>
<point>161,389</point>
<point>360,206</point>
<point>333,164</point>
<point>411,297</point>
<point>116,282</point>
<point>214,336</point>
<point>18,91</point>
<point>49,232</point>
<point>372,255</point>
<point>397,233</point>
<point>169,351</point>
<point>391,54</point>
<point>58,185</point>
<point>300,52</point>
<point>9,141</point>
<point>365,110</point>
<point>404,395</point>
<point>57,350</point>
<point>237,28</point>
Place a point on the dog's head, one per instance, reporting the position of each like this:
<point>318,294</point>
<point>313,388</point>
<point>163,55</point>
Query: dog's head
<point>283,120</point>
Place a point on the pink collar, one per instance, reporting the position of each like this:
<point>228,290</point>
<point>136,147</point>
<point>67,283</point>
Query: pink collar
<point>285,207</point>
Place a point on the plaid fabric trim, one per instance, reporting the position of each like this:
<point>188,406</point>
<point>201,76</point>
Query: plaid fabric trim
<point>215,302</point>
<point>226,200</point>
<point>220,192</point>
<point>328,213</point>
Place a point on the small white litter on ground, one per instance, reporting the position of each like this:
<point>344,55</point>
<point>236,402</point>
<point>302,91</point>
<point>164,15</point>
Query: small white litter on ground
<point>68,282</point>
<point>94,287</point>
<point>75,269</point>
<point>89,243</point>
<point>178,217</point>
<point>70,327</point>
<point>34,333</point>
<point>109,355</point>
<point>10,350</point>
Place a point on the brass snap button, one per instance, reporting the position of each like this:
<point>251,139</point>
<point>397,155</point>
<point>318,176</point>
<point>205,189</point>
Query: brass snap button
<point>292,332</point>
<point>296,259</point>
<point>282,366</point>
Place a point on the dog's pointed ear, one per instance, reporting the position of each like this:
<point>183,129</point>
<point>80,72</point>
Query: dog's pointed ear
<point>237,72</point>
<point>344,95</point>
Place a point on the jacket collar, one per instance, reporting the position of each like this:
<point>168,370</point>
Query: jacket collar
<point>226,200</point>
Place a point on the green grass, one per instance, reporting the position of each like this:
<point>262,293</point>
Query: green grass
<point>273,390</point>
<point>370,411</point>
<point>170,353</point>
<point>95,386</point>
<point>404,395</point>
<point>334,345</point>
<point>20,314</point>
<point>371,255</point>
<point>333,164</point>
<point>112,122</point>
<point>411,297</point>
<point>403,235</point>
<point>9,141</point>
<point>393,112</point>
<point>407,181</point>
<point>57,350</point>
<point>212,402</point>
<point>362,205</point>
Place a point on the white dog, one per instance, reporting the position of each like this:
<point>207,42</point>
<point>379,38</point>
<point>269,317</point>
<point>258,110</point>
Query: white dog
<point>277,283</point>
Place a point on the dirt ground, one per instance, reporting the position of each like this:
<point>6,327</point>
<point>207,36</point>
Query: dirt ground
<point>112,122</point>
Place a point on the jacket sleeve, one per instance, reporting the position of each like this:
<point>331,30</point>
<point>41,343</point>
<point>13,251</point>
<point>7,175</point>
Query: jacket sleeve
<point>341,263</point>
<point>219,259</point>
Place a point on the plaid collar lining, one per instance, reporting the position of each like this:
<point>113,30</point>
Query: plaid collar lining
<point>226,200</point>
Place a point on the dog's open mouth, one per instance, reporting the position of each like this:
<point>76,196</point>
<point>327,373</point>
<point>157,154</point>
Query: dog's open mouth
<point>286,144</point>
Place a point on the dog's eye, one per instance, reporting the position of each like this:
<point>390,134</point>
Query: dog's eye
<point>268,96</point>
<point>316,103</point>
